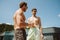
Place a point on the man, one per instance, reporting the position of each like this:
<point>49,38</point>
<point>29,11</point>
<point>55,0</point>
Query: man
<point>19,22</point>
<point>35,31</point>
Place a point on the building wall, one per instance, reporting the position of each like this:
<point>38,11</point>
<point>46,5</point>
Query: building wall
<point>49,33</point>
<point>48,37</point>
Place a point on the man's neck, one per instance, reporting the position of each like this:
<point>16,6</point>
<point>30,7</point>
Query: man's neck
<point>33,15</point>
<point>21,9</point>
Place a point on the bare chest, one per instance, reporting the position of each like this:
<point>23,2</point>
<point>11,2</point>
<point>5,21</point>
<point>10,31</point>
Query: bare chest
<point>34,20</point>
<point>23,17</point>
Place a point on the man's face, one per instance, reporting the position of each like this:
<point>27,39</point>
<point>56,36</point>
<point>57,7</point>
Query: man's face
<point>34,12</point>
<point>25,8</point>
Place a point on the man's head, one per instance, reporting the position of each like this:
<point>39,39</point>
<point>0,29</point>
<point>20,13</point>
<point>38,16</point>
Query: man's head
<point>34,10</point>
<point>23,5</point>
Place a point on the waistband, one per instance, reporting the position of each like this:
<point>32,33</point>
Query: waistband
<point>21,29</point>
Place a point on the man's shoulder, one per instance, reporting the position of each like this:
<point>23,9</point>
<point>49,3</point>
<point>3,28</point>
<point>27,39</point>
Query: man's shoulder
<point>29,18</point>
<point>16,12</point>
<point>19,11</point>
<point>38,17</point>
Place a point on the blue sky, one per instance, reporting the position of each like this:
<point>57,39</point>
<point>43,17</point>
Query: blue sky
<point>48,11</point>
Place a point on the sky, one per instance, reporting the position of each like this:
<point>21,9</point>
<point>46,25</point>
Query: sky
<point>48,11</point>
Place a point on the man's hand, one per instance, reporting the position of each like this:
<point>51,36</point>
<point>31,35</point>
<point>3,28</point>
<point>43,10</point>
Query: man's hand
<point>30,25</point>
<point>42,37</point>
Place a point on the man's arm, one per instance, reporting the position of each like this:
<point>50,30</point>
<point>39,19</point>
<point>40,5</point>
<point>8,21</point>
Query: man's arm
<point>14,17</point>
<point>20,21</point>
<point>41,30</point>
<point>29,23</point>
<point>40,27</point>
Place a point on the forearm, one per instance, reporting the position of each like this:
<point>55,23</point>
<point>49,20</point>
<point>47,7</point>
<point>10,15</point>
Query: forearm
<point>41,33</point>
<point>41,30</point>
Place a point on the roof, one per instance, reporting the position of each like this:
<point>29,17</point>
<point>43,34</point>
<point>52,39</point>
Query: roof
<point>51,30</point>
<point>7,33</point>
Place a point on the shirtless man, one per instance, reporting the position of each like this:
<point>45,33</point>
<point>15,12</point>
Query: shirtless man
<point>19,22</point>
<point>34,32</point>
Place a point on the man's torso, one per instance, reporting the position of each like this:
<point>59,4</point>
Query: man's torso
<point>21,15</point>
<point>34,20</point>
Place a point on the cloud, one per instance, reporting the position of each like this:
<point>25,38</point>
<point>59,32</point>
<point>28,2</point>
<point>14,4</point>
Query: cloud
<point>58,15</point>
<point>8,23</point>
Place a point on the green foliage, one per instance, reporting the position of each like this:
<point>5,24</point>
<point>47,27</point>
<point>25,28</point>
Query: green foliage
<point>2,28</point>
<point>9,28</point>
<point>6,27</point>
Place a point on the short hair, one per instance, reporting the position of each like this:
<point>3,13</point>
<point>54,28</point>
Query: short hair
<point>34,9</point>
<point>22,4</point>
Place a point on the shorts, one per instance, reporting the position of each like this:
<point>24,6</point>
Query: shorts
<point>20,34</point>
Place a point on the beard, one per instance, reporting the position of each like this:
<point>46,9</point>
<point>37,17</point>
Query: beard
<point>24,10</point>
